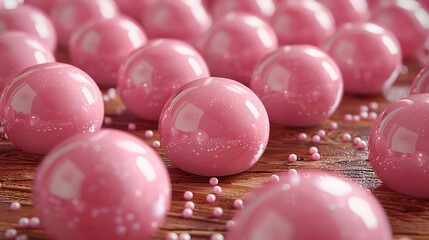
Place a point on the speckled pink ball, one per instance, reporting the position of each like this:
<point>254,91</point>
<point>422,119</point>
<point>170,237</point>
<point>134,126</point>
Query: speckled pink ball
<point>48,103</point>
<point>152,73</point>
<point>214,127</point>
<point>107,185</point>
<point>397,145</point>
<point>346,11</point>
<point>311,205</point>
<point>300,85</point>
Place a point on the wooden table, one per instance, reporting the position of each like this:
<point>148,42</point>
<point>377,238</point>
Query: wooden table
<point>408,216</point>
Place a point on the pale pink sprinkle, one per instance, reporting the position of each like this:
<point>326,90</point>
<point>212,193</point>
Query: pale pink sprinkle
<point>190,205</point>
<point>315,156</point>
<point>346,137</point>
<point>216,236</point>
<point>238,204</point>
<point>214,181</point>
<point>363,108</point>
<point>302,137</point>
<point>132,126</point>
<point>184,236</point>
<point>356,118</point>
<point>321,133</point>
<point>363,115</point>
<point>188,195</point>
<point>217,212</point>
<point>108,120</point>
<point>312,150</point>
<point>15,206</point>
<point>348,117</point>
<point>217,190</point>
<point>230,224</point>
<point>10,233</point>
<point>148,134</point>
<point>22,237</point>
<point>210,198</point>
<point>187,213</point>
<point>156,144</point>
<point>121,230</point>
<point>362,145</point>
<point>275,178</point>
<point>356,140</point>
<point>34,222</point>
<point>24,222</point>
<point>315,139</point>
<point>111,92</point>
<point>292,172</point>
<point>373,106</point>
<point>372,116</point>
<point>171,236</point>
<point>106,98</point>
<point>333,126</point>
<point>119,111</point>
<point>292,157</point>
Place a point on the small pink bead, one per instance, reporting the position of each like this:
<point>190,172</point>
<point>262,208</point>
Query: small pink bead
<point>356,118</point>
<point>230,224</point>
<point>275,178</point>
<point>348,117</point>
<point>292,157</point>
<point>238,204</point>
<point>24,222</point>
<point>315,156</point>
<point>217,212</point>
<point>119,111</point>
<point>363,115</point>
<point>188,195</point>
<point>362,145</point>
<point>22,237</point>
<point>217,190</point>
<point>108,120</point>
<point>356,140</point>
<point>211,198</point>
<point>10,233</point>
<point>363,108</point>
<point>302,137</point>
<point>216,236</point>
<point>346,137</point>
<point>156,144</point>
<point>321,133</point>
<point>292,171</point>
<point>34,222</point>
<point>333,126</point>
<point>187,213</point>
<point>15,206</point>
<point>190,205</point>
<point>171,236</point>
<point>214,181</point>
<point>315,139</point>
<point>132,126</point>
<point>373,106</point>
<point>148,134</point>
<point>372,116</point>
<point>313,150</point>
<point>106,98</point>
<point>184,236</point>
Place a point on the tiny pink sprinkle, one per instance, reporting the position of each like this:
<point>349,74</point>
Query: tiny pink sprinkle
<point>373,106</point>
<point>210,198</point>
<point>363,108</point>
<point>292,172</point>
<point>34,222</point>
<point>356,140</point>
<point>363,115</point>
<point>187,213</point>
<point>214,181</point>
<point>348,117</point>
<point>184,236</point>
<point>333,126</point>
<point>156,144</point>
<point>10,233</point>
<point>275,178</point>
<point>216,236</point>
<point>171,236</point>
<point>321,133</point>
<point>315,139</point>
<point>362,145</point>
<point>372,116</point>
<point>217,190</point>
<point>15,206</point>
<point>356,118</point>
<point>108,120</point>
<point>24,222</point>
<point>238,204</point>
<point>302,137</point>
<point>148,134</point>
<point>22,237</point>
<point>312,150</point>
<point>217,212</point>
<point>292,157</point>
<point>190,205</point>
<point>346,137</point>
<point>230,224</point>
<point>315,156</point>
<point>119,111</point>
<point>132,126</point>
<point>106,98</point>
<point>188,195</point>
<point>111,92</point>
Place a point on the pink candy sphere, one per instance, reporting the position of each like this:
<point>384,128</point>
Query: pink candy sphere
<point>235,44</point>
<point>47,103</point>
<point>19,50</point>
<point>263,9</point>
<point>134,8</point>
<point>68,15</point>
<point>311,205</point>
<point>9,4</point>
<point>398,149</point>
<point>346,11</point>
<point>300,85</point>
<point>302,22</point>
<point>100,46</point>
<point>155,71</point>
<point>420,83</point>
<point>45,5</point>
<point>214,127</point>
<point>368,56</point>
<point>32,20</point>
<point>107,185</point>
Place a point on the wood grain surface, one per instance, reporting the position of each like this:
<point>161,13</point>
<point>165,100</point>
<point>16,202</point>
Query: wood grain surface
<point>408,216</point>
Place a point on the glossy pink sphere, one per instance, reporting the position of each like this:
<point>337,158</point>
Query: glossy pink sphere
<point>423,54</point>
<point>68,15</point>
<point>311,205</point>
<point>134,8</point>
<point>186,20</point>
<point>302,22</point>
<point>397,145</point>
<point>214,127</point>
<point>368,55</point>
<point>100,46</point>
<point>407,20</point>
<point>107,185</point>
<point>420,83</point>
<point>10,4</point>
<point>152,73</point>
<point>300,85</point>
<point>48,103</point>
<point>45,5</point>
<point>29,19</point>
<point>345,11</point>
<point>19,50</point>
<point>235,44</point>
<point>260,8</point>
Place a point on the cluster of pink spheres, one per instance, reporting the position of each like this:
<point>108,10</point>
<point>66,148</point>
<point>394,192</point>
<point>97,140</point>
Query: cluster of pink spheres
<point>214,74</point>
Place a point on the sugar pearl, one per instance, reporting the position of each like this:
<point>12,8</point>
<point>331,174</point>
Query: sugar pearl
<point>217,190</point>
<point>363,115</point>
<point>15,206</point>
<point>356,140</point>
<point>24,222</point>
<point>372,116</point>
<point>362,145</point>
<point>313,150</point>
<point>321,133</point>
<point>188,195</point>
<point>217,212</point>
<point>214,181</point>
<point>333,126</point>
<point>292,172</point>
<point>373,106</point>
<point>275,178</point>
<point>363,108</point>
<point>190,205</point>
<point>348,117</point>
<point>171,236</point>
<point>356,118</point>
<point>238,204</point>
<point>132,126</point>
<point>34,222</point>
<point>21,237</point>
<point>230,225</point>
<point>210,198</point>
<point>10,233</point>
<point>187,213</point>
<point>315,139</point>
<point>184,236</point>
<point>346,137</point>
<point>148,134</point>
<point>108,120</point>
<point>292,157</point>
<point>156,144</point>
<point>302,137</point>
<point>216,236</point>
<point>315,156</point>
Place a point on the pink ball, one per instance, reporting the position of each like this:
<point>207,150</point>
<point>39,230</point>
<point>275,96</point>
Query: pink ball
<point>214,127</point>
<point>300,85</point>
<point>155,71</point>
<point>107,185</point>
<point>99,47</point>
<point>235,44</point>
<point>302,22</point>
<point>134,8</point>
<point>407,20</point>
<point>423,53</point>
<point>48,103</point>
<point>32,20</point>
<point>311,205</point>
<point>345,11</point>
<point>68,15</point>
<point>10,4</point>
<point>45,5</point>
<point>19,50</point>
<point>262,9</point>
<point>397,145</point>
<point>186,20</point>
<point>368,56</point>
<point>420,83</point>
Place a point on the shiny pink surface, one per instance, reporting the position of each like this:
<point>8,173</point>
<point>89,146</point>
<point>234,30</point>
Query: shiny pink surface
<point>368,56</point>
<point>420,83</point>
<point>186,20</point>
<point>100,46</point>
<point>29,19</point>
<point>302,22</point>
<point>235,44</point>
<point>311,205</point>
<point>134,8</point>
<point>19,50</point>
<point>9,4</point>
<point>345,11</point>
<point>407,20</point>
<point>151,74</point>
<point>45,5</point>
<point>48,103</point>
<point>108,185</point>
<point>423,53</point>
<point>214,127</point>
<point>260,8</point>
<point>68,15</point>
<point>300,85</point>
<point>398,149</point>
